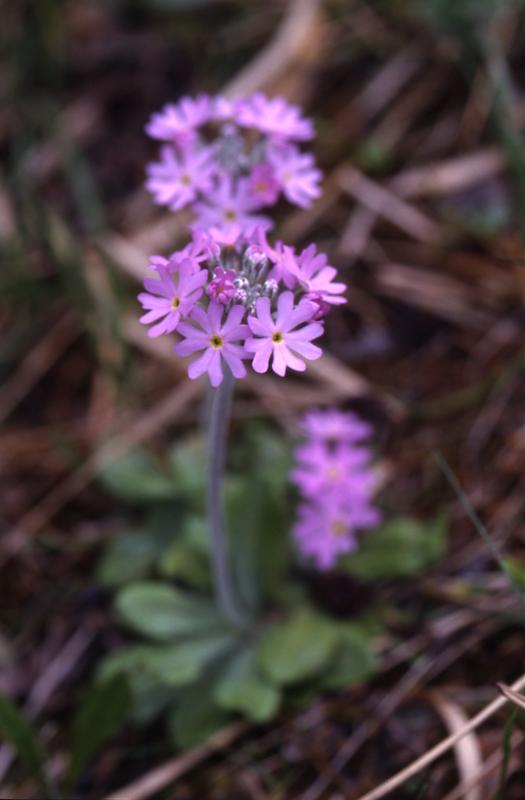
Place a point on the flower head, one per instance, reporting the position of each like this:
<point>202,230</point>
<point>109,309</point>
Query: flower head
<point>171,296</point>
<point>282,339</point>
<point>219,341</point>
<point>336,484</point>
<point>228,159</point>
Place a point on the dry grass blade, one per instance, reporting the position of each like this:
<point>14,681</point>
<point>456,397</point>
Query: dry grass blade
<point>385,203</point>
<point>159,778</point>
<point>449,176</point>
<point>490,765</point>
<point>468,752</point>
<point>282,64</point>
<point>430,756</point>
<point>512,695</point>
<point>439,294</point>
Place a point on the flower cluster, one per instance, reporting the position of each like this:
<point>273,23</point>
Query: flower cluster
<point>336,484</point>
<point>229,159</point>
<point>233,297</point>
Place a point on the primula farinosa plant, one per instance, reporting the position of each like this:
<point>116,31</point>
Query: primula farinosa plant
<point>333,475</point>
<point>234,300</point>
<point>228,160</point>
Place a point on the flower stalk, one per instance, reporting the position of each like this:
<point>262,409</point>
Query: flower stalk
<point>217,436</point>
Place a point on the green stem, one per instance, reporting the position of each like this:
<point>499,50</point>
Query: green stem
<point>217,436</point>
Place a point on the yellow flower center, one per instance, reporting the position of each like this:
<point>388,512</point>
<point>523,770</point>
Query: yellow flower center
<point>216,342</point>
<point>175,303</point>
<point>277,338</point>
<point>185,180</point>
<point>338,528</point>
<point>230,215</point>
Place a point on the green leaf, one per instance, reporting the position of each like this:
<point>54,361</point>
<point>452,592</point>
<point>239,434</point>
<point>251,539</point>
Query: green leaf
<point>184,662</point>
<point>298,648</point>
<point>354,660</point>
<point>138,478</point>
<point>243,688</point>
<point>163,612</point>
<point>128,556</point>
<point>398,549</point>
<point>15,729</point>
<point>195,717</point>
<point>515,570</point>
<point>181,560</point>
<point>149,697</point>
<point>101,714</point>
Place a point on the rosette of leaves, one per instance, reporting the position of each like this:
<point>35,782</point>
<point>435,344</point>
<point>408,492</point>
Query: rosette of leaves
<point>189,663</point>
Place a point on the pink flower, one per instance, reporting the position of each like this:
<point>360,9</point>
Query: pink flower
<point>273,116</point>
<point>296,174</point>
<point>316,277</point>
<point>324,532</point>
<point>229,203</point>
<point>280,338</point>
<point>332,426</point>
<point>285,265</point>
<point>171,296</point>
<point>177,122</point>
<point>222,288</point>
<point>217,339</point>
<point>323,471</point>
<point>263,185</point>
<point>176,180</point>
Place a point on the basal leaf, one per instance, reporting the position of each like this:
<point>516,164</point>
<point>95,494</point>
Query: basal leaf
<point>399,548</point>
<point>101,714</point>
<point>15,729</point>
<point>353,662</point>
<point>163,612</point>
<point>136,477</point>
<point>242,687</point>
<point>298,648</point>
<point>181,663</point>
<point>195,717</point>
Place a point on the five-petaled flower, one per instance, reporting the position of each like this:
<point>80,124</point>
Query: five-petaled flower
<point>171,296</point>
<point>219,340</point>
<point>282,338</point>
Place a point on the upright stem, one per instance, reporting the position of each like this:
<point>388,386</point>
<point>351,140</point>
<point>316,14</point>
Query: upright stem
<point>217,436</point>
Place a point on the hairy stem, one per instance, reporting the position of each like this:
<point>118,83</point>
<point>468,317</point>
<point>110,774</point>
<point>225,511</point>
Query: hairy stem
<point>217,436</point>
